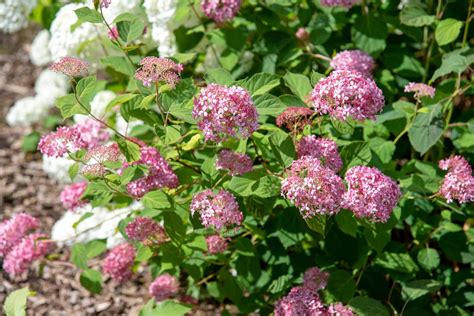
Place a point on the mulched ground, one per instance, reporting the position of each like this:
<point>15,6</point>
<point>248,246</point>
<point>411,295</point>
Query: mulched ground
<point>25,188</point>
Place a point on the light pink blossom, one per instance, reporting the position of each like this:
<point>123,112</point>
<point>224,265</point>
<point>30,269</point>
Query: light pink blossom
<point>420,90</point>
<point>163,287</point>
<point>321,148</point>
<point>315,279</point>
<point>92,133</point>
<point>119,262</point>
<point>70,66</point>
<point>71,195</point>
<point>156,69</point>
<point>64,140</point>
<point>146,230</point>
<point>339,3</point>
<point>458,183</point>
<point>216,244</point>
<point>235,163</point>
<point>220,10</point>
<point>354,60</point>
<point>14,229</point>
<point>98,156</point>
<point>300,301</point>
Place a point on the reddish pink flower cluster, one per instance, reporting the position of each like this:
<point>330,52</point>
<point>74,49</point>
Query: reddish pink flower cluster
<point>98,156</point>
<point>105,3</point>
<point>295,118</point>
<point>354,60</point>
<point>113,34</point>
<point>64,140</point>
<point>304,300</point>
<point>155,69</point>
<point>347,94</point>
<point>370,193</point>
<point>313,188</point>
<point>146,230</point>
<point>458,184</point>
<point>159,175</point>
<point>31,248</point>
<point>220,10</point>
<point>339,3</point>
<point>71,195</point>
<point>235,163</point>
<point>420,90</point>
<point>225,112</point>
<point>70,66</point>
<point>217,209</point>
<point>216,244</point>
<point>165,286</point>
<point>92,132</point>
<point>119,262</point>
<point>14,229</point>
<point>321,148</point>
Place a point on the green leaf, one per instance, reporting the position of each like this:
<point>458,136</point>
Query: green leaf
<point>156,200</point>
<point>447,31</point>
<point>174,226</point>
<point>86,14</point>
<point>79,256</point>
<point>30,142</point>
<point>428,258</point>
<point>260,83</point>
<point>143,254</point>
<point>171,308</point>
<point>95,248</point>
<point>219,76</point>
<point>298,84</point>
<point>369,34</point>
<point>255,183</point>
<point>401,262</point>
<point>415,16</point>
<point>85,90</point>
<point>366,306</point>
<point>341,285</point>
<point>382,148</point>
<point>91,280</point>
<point>183,58</point>
<point>318,223</point>
<point>68,106</point>
<point>120,99</point>
<point>268,104</point>
<point>347,223</point>
<point>125,17</point>
<point>283,147</point>
<point>119,64</point>
<point>455,62</point>
<point>130,150</point>
<point>415,289</point>
<point>15,303</point>
<point>426,129</point>
<point>280,284</point>
<point>377,237</point>
<point>130,30</point>
<point>356,153</point>
<point>73,170</point>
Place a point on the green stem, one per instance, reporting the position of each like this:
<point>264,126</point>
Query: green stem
<point>466,26</point>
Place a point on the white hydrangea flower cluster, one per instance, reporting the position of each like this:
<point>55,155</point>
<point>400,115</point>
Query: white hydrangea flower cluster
<point>118,7</point>
<point>14,14</point>
<point>39,53</point>
<point>101,225</point>
<point>57,168</point>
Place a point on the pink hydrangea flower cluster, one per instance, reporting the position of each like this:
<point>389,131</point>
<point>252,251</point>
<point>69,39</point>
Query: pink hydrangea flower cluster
<point>92,132</point>
<point>354,60</point>
<point>347,94</point>
<point>225,112</point>
<point>304,300</point>
<point>235,163</point>
<point>321,148</point>
<point>146,230</point>
<point>217,209</point>
<point>216,244</point>
<point>70,66</point>
<point>98,156</point>
<point>119,262</point>
<point>458,183</point>
<point>159,175</point>
<point>339,3</point>
<point>64,140</point>
<point>31,248</point>
<point>313,188</point>
<point>156,69</point>
<point>105,3</point>
<point>71,195</point>
<point>295,118</point>
<point>220,10</point>
<point>420,90</point>
<point>14,229</point>
<point>370,193</point>
<point>163,287</point>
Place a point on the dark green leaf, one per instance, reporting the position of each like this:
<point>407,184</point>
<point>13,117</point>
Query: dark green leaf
<point>427,128</point>
<point>91,280</point>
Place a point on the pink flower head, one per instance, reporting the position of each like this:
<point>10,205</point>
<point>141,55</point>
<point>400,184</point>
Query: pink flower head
<point>113,33</point>
<point>339,3</point>
<point>119,262</point>
<point>300,301</point>
<point>225,112</point>
<point>146,230</point>
<point>165,286</point>
<point>339,310</point>
<point>313,188</point>
<point>370,193</point>
<point>295,118</point>
<point>315,279</point>
<point>92,132</point>
<point>159,173</point>
<point>321,148</point>
<point>14,229</point>
<point>354,60</point>
<point>220,10</point>
<point>71,195</point>
<point>105,3</point>
<point>347,94</point>
<point>70,66</point>
<point>216,244</point>
<point>217,209</point>
<point>31,248</point>
<point>420,90</point>
<point>236,163</point>
<point>98,156</point>
<point>458,183</point>
<point>64,140</point>
<point>155,69</point>
<point>302,34</point>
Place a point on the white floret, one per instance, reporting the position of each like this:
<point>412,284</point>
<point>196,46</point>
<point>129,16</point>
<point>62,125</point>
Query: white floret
<point>51,85</point>
<point>39,53</point>
<point>57,168</point>
<point>27,111</point>
<point>14,14</point>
